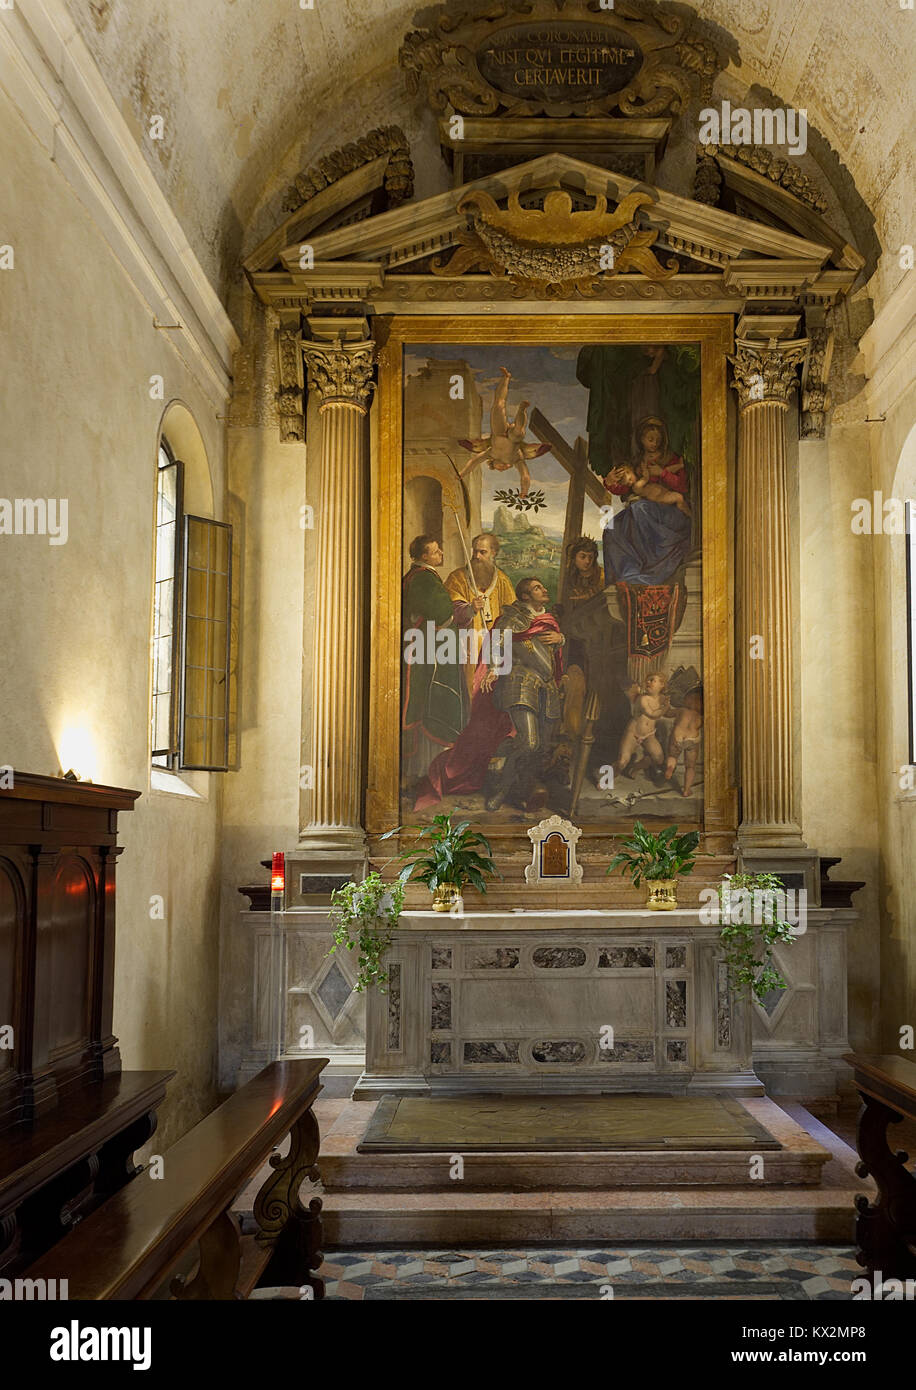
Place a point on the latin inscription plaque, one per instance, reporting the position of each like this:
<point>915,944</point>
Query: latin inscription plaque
<point>559,62</point>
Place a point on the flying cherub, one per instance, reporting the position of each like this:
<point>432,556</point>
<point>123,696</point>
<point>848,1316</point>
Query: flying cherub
<point>504,446</point>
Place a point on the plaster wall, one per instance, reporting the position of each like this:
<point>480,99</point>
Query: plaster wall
<point>890,353</point>
<point>271,488</point>
<point>79,348</point>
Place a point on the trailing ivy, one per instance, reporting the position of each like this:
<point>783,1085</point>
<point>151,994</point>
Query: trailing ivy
<point>748,942</point>
<point>365,915</point>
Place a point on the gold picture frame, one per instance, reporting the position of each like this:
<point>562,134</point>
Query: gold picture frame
<point>715,335</point>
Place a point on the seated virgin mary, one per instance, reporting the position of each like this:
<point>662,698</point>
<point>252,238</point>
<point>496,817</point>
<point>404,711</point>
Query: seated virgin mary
<point>650,539</point>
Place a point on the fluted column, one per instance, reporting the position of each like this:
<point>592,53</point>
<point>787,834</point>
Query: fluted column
<point>341,375</point>
<point>764,376</point>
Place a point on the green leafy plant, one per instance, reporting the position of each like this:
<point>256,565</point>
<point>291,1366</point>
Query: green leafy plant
<point>648,856</point>
<point>750,924</point>
<point>452,855</point>
<point>365,915</point>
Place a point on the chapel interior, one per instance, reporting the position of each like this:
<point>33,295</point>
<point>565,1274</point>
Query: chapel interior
<point>497,409</point>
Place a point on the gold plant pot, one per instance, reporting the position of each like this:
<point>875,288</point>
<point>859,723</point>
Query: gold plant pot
<point>662,895</point>
<point>445,896</point>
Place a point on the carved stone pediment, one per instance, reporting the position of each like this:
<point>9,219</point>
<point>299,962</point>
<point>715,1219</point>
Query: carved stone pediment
<point>558,58</point>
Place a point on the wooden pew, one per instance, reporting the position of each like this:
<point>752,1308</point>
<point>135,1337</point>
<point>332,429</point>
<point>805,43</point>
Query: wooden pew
<point>130,1246</point>
<point>885,1229</point>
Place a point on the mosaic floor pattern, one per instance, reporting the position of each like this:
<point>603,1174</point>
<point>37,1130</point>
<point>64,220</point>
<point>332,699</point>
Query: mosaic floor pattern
<point>764,1272</point>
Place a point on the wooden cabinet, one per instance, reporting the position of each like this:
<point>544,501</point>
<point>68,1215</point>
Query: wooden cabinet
<point>68,1119</point>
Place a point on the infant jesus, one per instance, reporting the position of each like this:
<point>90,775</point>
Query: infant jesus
<point>645,487</point>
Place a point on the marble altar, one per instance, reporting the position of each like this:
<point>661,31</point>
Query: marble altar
<point>541,1001</point>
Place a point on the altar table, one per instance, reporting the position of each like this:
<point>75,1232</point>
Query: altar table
<point>554,1001</point>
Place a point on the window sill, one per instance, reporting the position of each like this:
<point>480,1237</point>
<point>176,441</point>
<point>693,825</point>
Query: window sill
<point>195,785</point>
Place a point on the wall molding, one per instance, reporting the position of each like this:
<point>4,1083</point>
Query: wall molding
<point>52,79</point>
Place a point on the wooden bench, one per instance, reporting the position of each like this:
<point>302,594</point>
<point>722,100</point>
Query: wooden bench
<point>129,1247</point>
<point>885,1229</point>
<point>57,1170</point>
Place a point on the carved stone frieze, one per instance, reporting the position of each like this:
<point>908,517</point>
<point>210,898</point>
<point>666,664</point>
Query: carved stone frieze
<point>489,289</point>
<point>389,140</point>
<point>765,373</point>
<point>341,373</point>
<point>554,250</point>
<point>551,57</point>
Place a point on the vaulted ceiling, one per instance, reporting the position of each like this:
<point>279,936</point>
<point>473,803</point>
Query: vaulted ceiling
<point>251,91</point>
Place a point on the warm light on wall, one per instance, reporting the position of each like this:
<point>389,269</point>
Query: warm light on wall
<point>77,752</point>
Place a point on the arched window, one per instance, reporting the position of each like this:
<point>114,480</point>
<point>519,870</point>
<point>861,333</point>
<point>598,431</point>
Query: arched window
<point>166,607</point>
<point>189,716</point>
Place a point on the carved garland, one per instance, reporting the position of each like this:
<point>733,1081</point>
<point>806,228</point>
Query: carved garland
<point>554,251</point>
<point>771,166</point>
<point>388,139</point>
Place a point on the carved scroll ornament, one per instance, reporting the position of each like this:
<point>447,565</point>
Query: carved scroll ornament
<point>548,57</point>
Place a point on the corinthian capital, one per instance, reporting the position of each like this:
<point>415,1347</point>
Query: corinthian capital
<point>764,373</point>
<point>341,372</point>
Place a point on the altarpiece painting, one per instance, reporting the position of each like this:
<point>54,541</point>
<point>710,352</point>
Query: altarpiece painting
<point>560,512</point>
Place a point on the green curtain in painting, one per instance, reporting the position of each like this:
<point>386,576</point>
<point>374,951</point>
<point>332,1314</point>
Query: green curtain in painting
<point>626,382</point>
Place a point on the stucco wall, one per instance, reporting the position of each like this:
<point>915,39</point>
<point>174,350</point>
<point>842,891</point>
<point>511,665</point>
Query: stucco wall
<point>79,423</point>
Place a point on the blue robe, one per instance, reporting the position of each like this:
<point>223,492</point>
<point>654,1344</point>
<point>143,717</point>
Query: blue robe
<point>647,544</point>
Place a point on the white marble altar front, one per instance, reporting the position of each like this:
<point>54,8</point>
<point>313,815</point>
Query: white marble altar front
<point>557,1001</point>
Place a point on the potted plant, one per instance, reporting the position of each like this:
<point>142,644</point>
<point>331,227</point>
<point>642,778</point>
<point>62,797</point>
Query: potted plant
<point>365,914</point>
<point>450,860</point>
<point>658,859</point>
<point>751,921</point>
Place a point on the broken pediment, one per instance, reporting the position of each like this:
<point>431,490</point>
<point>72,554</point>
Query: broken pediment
<point>360,261</point>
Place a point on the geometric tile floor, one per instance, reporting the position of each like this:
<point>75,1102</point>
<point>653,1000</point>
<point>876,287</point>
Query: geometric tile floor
<point>765,1272</point>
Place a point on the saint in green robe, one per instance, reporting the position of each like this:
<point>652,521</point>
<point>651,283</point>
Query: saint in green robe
<point>433,695</point>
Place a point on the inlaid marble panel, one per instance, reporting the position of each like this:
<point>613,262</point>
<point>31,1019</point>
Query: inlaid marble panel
<point>632,1050</point>
<point>723,1007</point>
<point>440,1053</point>
<point>557,1003</point>
<point>675,957</point>
<point>489,1052</point>
<point>676,1050</point>
<point>626,958</point>
<point>441,957</point>
<point>676,1003</point>
<point>394,1007</point>
<point>441,1011</point>
<point>561,1050</point>
<point>558,957</point>
<point>493,958</point>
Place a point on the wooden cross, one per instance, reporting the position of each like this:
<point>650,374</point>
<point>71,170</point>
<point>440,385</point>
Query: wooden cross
<point>582,482</point>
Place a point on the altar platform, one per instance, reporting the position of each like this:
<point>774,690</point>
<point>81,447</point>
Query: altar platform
<point>803,1191</point>
<point>588,1001</point>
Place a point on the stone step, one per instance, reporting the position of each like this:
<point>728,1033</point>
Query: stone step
<point>397,1220</point>
<point>799,1163</point>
